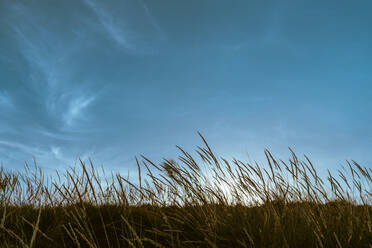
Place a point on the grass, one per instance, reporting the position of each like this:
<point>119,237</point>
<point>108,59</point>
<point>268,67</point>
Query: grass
<point>201,201</point>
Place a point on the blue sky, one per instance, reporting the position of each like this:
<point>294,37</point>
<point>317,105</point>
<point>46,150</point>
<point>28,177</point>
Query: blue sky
<point>114,79</point>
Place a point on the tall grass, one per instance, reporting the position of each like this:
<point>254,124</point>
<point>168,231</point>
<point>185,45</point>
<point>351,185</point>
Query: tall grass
<point>194,201</point>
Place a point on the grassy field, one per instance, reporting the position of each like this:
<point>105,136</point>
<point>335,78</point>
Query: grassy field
<point>200,201</point>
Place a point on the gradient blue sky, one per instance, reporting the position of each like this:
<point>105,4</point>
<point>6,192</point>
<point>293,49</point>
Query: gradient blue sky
<point>113,79</point>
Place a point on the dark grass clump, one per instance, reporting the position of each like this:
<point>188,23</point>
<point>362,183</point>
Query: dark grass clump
<point>202,201</point>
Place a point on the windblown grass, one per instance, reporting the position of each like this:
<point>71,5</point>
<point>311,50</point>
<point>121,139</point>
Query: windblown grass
<point>202,201</point>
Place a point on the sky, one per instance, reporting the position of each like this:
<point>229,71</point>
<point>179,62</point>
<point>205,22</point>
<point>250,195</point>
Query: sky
<point>110,80</point>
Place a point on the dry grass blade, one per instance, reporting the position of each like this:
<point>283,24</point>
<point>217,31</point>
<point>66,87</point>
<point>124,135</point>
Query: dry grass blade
<point>178,203</point>
<point>86,239</point>
<point>72,234</point>
<point>14,235</point>
<point>153,242</point>
<point>139,241</point>
<point>36,229</point>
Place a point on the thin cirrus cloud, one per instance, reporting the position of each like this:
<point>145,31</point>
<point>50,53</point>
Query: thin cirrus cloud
<point>122,30</point>
<point>45,98</point>
<point>153,22</point>
<point>5,100</point>
<point>113,26</point>
<point>57,89</point>
<point>115,78</point>
<point>29,149</point>
<point>76,108</point>
<point>48,57</point>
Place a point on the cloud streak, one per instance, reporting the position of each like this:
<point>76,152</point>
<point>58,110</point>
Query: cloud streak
<point>152,19</point>
<point>47,101</point>
<point>35,151</point>
<point>112,79</point>
<point>5,100</point>
<point>115,28</point>
<point>75,109</point>
<point>51,73</point>
<point>134,37</point>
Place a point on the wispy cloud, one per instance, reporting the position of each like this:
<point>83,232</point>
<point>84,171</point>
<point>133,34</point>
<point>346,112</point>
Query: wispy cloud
<point>75,109</point>
<point>47,59</point>
<point>35,151</point>
<point>152,19</point>
<point>134,34</point>
<point>57,153</point>
<point>50,59</point>
<point>17,153</point>
<point>114,27</point>
<point>5,100</point>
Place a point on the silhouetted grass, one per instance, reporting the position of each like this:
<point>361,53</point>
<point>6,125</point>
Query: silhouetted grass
<point>202,201</point>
